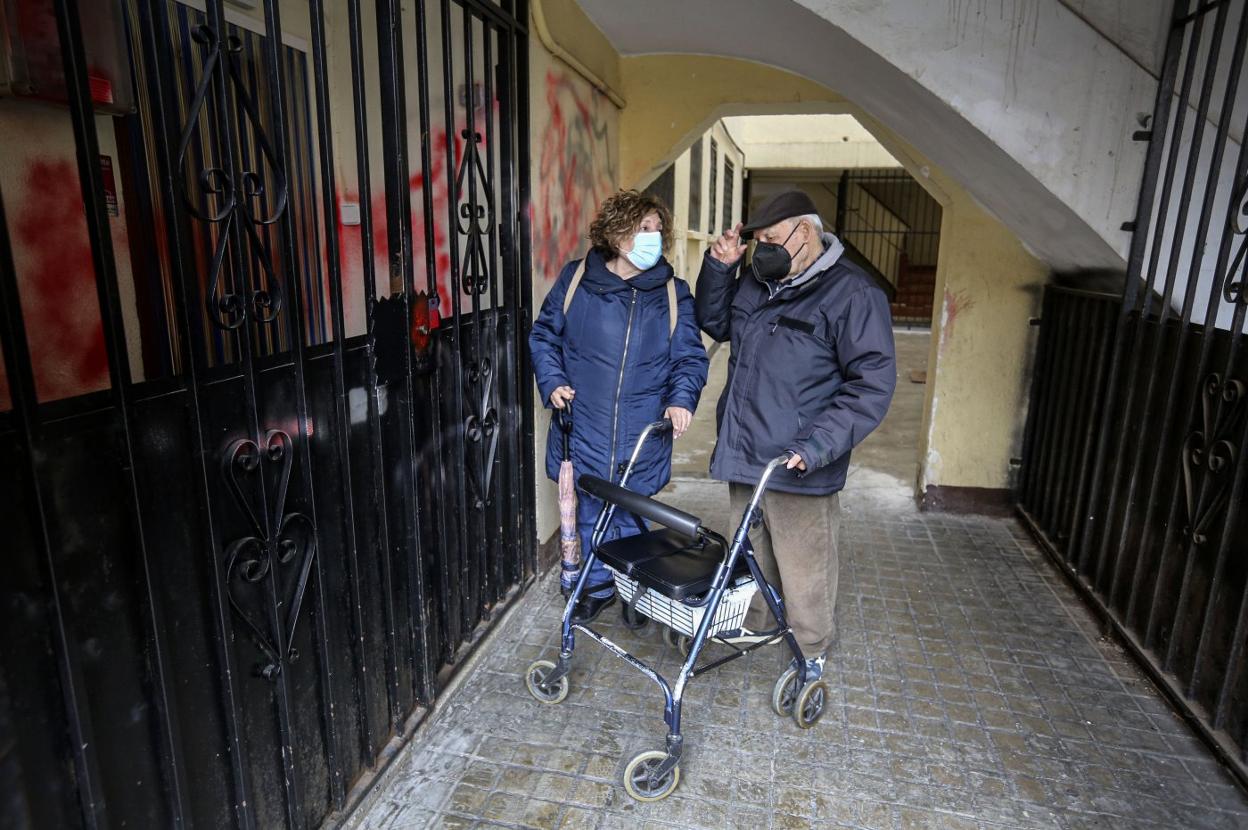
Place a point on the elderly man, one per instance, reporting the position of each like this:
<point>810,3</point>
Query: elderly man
<point>811,372</point>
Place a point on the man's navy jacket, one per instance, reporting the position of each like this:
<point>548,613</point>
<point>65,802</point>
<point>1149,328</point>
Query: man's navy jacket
<point>812,368</point>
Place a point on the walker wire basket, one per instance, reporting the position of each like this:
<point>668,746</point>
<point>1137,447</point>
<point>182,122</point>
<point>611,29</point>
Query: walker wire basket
<point>685,618</point>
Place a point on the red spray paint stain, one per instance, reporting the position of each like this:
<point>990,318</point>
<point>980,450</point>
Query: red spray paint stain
<point>57,284</point>
<point>955,304</point>
<point>353,249</point>
<point>574,174</point>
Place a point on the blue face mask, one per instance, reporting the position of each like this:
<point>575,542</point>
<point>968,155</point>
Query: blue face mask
<point>647,248</point>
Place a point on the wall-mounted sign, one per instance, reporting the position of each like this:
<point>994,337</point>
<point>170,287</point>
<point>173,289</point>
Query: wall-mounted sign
<point>110,185</point>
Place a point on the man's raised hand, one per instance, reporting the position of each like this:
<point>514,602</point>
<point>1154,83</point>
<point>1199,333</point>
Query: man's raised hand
<point>729,248</point>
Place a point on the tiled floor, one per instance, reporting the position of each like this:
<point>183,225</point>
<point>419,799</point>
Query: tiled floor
<point>970,689</point>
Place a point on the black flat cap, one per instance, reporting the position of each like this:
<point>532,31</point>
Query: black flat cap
<point>784,205</point>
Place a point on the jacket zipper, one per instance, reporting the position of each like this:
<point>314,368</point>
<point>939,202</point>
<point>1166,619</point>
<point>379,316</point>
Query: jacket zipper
<point>619,385</point>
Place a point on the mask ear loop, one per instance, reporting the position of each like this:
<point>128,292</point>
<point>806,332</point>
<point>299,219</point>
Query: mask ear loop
<point>793,256</point>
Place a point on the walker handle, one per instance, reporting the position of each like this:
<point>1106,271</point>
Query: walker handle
<point>644,506</point>
<point>757,496</point>
<point>660,426</point>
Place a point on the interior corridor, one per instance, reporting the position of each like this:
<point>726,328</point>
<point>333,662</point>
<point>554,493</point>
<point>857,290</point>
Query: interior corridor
<point>971,689</point>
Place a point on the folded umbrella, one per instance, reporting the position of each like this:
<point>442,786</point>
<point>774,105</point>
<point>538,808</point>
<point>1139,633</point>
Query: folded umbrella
<point>569,539</point>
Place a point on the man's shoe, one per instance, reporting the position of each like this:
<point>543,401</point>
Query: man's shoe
<point>745,637</point>
<point>588,608</point>
<point>814,667</point>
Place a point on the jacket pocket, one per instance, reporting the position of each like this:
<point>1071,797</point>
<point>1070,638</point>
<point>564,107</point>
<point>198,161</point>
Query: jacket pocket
<point>796,325</point>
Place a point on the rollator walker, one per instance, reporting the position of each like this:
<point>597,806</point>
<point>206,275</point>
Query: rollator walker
<point>691,580</point>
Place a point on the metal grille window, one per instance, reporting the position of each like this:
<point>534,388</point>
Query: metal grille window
<point>664,187</point>
<point>713,188</point>
<point>730,172</point>
<point>695,186</point>
<point>889,221</point>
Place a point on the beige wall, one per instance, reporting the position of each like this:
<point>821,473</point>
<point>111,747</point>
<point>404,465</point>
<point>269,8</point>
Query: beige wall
<point>987,287</point>
<point>575,165</point>
<point>807,142</point>
<point>673,99</point>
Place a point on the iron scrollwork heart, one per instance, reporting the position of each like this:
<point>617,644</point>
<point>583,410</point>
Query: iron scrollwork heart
<point>1233,282</point>
<point>267,571</point>
<point>238,195</point>
<point>1209,455</point>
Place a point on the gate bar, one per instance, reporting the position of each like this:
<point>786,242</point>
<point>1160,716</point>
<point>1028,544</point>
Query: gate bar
<point>446,597</point>
<point>364,186</point>
<point>524,278</point>
<point>459,450</point>
<point>399,238</point>
<point>333,256</point>
<point>1073,442</point>
<point>1105,346</point>
<point>497,316</point>
<point>477,577</point>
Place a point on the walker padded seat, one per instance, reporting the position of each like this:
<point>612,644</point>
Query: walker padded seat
<point>668,562</point>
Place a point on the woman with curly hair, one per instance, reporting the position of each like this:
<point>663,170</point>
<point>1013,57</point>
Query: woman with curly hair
<point>617,334</point>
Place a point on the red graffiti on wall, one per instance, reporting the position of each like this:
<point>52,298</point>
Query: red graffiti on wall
<point>352,242</point>
<point>57,284</point>
<point>955,305</point>
<point>575,174</point>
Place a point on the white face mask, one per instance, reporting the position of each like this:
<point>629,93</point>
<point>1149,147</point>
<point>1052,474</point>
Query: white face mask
<point>647,248</point>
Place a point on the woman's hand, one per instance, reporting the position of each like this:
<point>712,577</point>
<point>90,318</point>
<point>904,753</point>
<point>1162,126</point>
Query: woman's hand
<point>680,419</point>
<point>560,397</point>
<point>729,248</point>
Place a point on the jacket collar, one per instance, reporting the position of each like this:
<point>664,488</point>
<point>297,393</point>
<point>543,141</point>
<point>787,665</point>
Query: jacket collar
<point>600,280</point>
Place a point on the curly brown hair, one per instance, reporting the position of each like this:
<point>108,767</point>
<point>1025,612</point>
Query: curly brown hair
<point>619,216</point>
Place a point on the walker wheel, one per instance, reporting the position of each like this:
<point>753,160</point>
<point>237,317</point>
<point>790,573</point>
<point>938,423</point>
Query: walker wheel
<point>637,777</point>
<point>681,642</point>
<point>535,682</point>
<point>784,693</point>
<point>633,620</point>
<point>811,702</point>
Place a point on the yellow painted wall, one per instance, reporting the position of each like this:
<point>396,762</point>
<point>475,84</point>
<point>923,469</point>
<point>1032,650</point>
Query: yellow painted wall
<point>572,30</point>
<point>987,284</point>
<point>987,287</point>
<point>673,99</point>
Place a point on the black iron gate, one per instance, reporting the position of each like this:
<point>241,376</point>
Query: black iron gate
<point>1136,456</point>
<point>240,570</point>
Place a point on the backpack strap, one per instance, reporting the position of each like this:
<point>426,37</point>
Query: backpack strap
<point>573,285</point>
<point>671,307</point>
<point>672,302</point>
